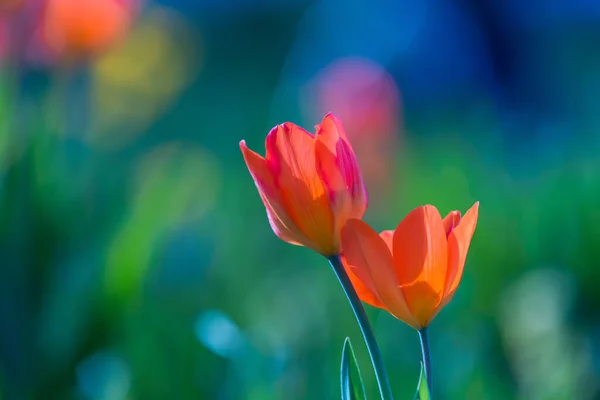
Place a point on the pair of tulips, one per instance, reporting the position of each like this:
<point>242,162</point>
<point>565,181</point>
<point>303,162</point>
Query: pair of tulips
<point>314,195</point>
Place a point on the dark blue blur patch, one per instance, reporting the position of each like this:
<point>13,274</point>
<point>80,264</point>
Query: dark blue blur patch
<point>233,6</point>
<point>184,257</point>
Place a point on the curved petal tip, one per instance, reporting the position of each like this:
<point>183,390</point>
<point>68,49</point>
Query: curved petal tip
<point>472,213</point>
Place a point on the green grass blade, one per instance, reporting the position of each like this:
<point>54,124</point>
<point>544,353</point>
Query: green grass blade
<point>352,384</point>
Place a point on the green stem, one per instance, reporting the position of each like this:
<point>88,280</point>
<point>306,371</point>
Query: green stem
<point>365,327</point>
<point>426,359</point>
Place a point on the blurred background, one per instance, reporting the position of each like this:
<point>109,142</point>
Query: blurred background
<point>136,260</point>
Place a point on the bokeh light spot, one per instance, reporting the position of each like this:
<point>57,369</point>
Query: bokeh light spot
<point>219,333</point>
<point>104,376</point>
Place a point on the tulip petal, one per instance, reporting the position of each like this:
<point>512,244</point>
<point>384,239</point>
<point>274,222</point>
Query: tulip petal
<point>458,246</point>
<point>338,169</point>
<point>328,167</point>
<point>290,153</point>
<point>281,224</point>
<point>337,165</point>
<point>341,176</point>
<point>422,301</point>
<point>365,293</point>
<point>342,180</point>
<point>331,129</point>
<point>369,258</point>
<point>420,255</point>
<point>451,221</point>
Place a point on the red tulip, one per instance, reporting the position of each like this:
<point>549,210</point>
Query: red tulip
<point>310,184</point>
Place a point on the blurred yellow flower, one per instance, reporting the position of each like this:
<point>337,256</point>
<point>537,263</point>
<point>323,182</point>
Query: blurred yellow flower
<point>136,81</point>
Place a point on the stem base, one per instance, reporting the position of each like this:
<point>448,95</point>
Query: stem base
<point>365,327</point>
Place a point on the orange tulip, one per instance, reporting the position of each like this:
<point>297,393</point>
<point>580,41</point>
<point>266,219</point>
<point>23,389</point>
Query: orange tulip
<point>414,271</point>
<point>310,184</point>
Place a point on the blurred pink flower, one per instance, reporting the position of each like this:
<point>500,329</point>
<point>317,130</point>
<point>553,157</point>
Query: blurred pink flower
<point>8,6</point>
<point>20,41</point>
<point>365,96</point>
<point>3,39</point>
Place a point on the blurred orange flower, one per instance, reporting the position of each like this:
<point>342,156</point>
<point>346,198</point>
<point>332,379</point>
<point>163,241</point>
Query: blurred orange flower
<point>414,271</point>
<point>81,28</point>
<point>310,185</point>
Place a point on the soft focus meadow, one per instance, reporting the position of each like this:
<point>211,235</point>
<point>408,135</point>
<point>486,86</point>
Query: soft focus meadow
<point>137,261</point>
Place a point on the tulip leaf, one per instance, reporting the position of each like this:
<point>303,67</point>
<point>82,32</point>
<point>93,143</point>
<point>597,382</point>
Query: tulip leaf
<point>422,388</point>
<point>352,384</point>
